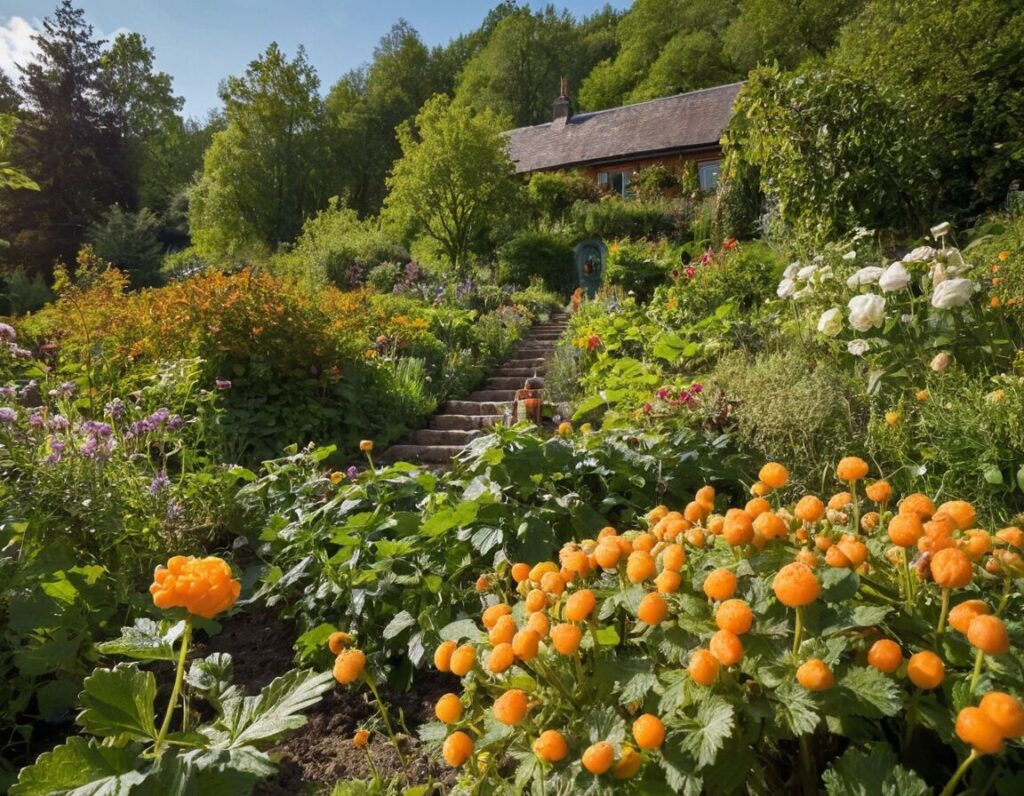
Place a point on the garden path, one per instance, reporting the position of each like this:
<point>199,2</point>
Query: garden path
<point>450,430</point>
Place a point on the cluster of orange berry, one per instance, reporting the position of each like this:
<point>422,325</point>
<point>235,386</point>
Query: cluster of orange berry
<point>349,663</point>
<point>202,586</point>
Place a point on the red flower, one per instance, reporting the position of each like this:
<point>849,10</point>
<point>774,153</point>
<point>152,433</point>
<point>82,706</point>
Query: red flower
<point>593,342</point>
<point>689,273</point>
<point>730,244</point>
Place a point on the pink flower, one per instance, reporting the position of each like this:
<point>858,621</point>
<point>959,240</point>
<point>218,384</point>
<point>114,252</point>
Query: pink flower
<point>708,256</point>
<point>689,273</point>
<point>648,409</point>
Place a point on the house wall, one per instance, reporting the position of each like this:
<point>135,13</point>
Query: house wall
<point>673,162</point>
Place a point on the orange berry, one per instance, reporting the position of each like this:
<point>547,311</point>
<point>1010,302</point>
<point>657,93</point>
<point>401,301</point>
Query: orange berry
<point>926,670</point>
<point>854,549</point>
<point>976,543</point>
<point>629,763</point>
<point>795,585</point>
<point>491,615</point>
<point>457,749</point>
<point>655,514</point>
<point>625,545</point>
<point>715,523</point>
<point>880,492</point>
<point>525,644</point>
<point>962,614</point>
<point>770,525</point>
<point>580,605</point>
<point>905,529</point>
<point>648,731</point>
<point>1013,536</point>
<point>988,633</point>
<point>851,468</point>
<point>695,537</point>
<point>703,667</point>
<point>885,655</point>
<point>349,665</point>
<point>918,504</point>
<point>482,583</point>
<point>807,558</point>
<point>835,557</point>
<point>735,616</point>
<point>539,623</point>
<point>668,582</point>
<point>503,630</point>
<point>598,757</point>
<point>360,739</point>
<point>738,528</point>
<point>640,566</point>
<point>511,707</point>
<point>673,557</point>
<point>520,572</point>
<point>462,660</point>
<point>608,531</point>
<point>977,730</point>
<point>607,555</point>
<point>448,709</point>
<point>706,497</point>
<point>822,542</point>
<point>774,475</point>
<point>536,600</point>
<point>540,570</point>
<point>337,641</point>
<point>645,542</point>
<point>552,583</point>
<point>755,507</point>
<point>809,509</point>
<point>951,568</point>
<point>695,512</point>
<point>760,489</point>
<point>726,647</point>
<point>652,609</point>
<point>960,511</point>
<point>443,656</point>
<point>566,638</point>
<point>202,586</point>
<point>576,562</point>
<point>814,675</point>
<point>720,584</point>
<point>840,500</point>
<point>501,657</point>
<point>1006,711</point>
<point>551,746</point>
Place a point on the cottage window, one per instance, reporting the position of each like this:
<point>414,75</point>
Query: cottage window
<point>614,182</point>
<point>708,172</point>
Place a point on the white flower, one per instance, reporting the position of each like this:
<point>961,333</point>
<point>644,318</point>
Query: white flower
<point>952,293</point>
<point>858,347</point>
<point>850,255</point>
<point>906,317</point>
<point>921,254</point>
<point>786,288</point>
<point>865,276</point>
<point>806,272</point>
<point>894,278</point>
<point>939,230</point>
<point>861,232</point>
<point>831,322</point>
<point>791,270</point>
<point>866,311</point>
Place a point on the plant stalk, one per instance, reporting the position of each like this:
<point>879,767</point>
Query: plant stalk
<point>179,677</point>
<point>958,775</point>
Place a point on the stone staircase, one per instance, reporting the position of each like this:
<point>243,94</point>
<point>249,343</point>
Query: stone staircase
<point>458,422</point>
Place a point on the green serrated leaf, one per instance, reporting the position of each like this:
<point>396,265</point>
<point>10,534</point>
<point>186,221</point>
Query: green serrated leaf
<point>401,622</point>
<point>794,709</point>
<point>714,723</point>
<point>460,629</point>
<point>146,641</point>
<point>875,772</point>
<point>119,702</point>
<point>865,691</point>
<point>82,767</point>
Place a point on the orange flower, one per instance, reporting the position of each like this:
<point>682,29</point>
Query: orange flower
<point>204,587</point>
<point>796,585</point>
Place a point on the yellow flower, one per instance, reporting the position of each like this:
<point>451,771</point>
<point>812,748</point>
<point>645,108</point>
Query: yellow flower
<point>892,417</point>
<point>1004,256</point>
<point>996,396</point>
<point>366,445</point>
<point>922,396</point>
<point>564,428</point>
<point>336,477</point>
<point>995,302</point>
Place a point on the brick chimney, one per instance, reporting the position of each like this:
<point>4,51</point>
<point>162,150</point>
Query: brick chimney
<point>562,111</point>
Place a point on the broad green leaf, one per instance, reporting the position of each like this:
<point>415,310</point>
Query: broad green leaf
<point>865,691</point>
<point>874,772</point>
<point>460,629</point>
<point>446,519</point>
<point>252,719</point>
<point>678,768</point>
<point>794,709</point>
<point>228,771</point>
<point>82,767</point>
<point>714,723</point>
<point>401,622</point>
<point>119,702</point>
<point>604,723</point>
<point>147,641</point>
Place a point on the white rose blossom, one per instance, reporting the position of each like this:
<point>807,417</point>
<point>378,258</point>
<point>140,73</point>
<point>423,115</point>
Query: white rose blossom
<point>895,277</point>
<point>858,347</point>
<point>866,311</point>
<point>865,276</point>
<point>831,322</point>
<point>806,272</point>
<point>791,270</point>
<point>786,288</point>
<point>921,254</point>
<point>952,293</point>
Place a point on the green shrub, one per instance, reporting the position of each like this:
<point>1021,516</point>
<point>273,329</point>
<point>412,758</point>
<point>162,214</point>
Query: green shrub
<point>547,255</point>
<point>183,264</point>
<point>539,301</point>
<point>641,266</point>
<point>129,242</point>
<point>384,277</point>
<point>653,182</point>
<point>23,293</point>
<point>613,218</point>
<point>553,193</point>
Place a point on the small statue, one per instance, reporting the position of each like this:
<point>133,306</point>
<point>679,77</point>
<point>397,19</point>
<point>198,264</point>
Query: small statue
<point>532,403</point>
<point>577,300</point>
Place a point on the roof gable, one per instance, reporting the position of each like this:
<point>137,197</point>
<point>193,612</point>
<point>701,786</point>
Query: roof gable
<point>684,121</point>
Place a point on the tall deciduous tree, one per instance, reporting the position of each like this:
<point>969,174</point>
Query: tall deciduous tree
<point>267,171</point>
<point>454,180</point>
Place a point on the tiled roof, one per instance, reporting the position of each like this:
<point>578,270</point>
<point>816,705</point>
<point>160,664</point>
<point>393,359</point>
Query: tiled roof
<point>685,121</point>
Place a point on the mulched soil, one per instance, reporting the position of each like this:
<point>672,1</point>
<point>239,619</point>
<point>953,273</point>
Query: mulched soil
<point>318,755</point>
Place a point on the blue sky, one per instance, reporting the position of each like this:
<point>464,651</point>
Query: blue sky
<point>199,43</point>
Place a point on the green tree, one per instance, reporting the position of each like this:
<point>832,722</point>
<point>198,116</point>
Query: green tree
<point>454,181</point>
<point>129,241</point>
<point>68,142</point>
<point>268,170</point>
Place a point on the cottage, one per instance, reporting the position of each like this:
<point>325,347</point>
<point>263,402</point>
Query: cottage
<point>612,144</point>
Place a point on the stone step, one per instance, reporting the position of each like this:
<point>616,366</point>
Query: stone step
<point>477,408</point>
<point>485,396</point>
<point>522,374</point>
<point>434,436</point>
<point>422,454</point>
<point>528,362</point>
<point>505,383</point>
<point>464,422</point>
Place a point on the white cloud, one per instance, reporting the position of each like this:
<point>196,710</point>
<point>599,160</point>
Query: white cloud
<point>16,44</point>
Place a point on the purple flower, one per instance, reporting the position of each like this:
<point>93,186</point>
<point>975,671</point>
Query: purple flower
<point>174,422</point>
<point>56,451</point>
<point>8,391</point>
<point>697,389</point>
<point>352,473</point>
<point>222,384</point>
<point>7,415</point>
<point>173,510</point>
<point>556,419</point>
<point>7,333</point>
<point>159,483</point>
<point>20,353</point>
<point>36,419</point>
<point>66,390</point>
<point>114,409</point>
<point>58,423</point>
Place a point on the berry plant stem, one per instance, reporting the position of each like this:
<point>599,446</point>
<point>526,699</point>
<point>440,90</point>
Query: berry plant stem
<point>979,661</point>
<point>1006,595</point>
<point>179,677</point>
<point>855,506</point>
<point>906,574</point>
<point>387,720</point>
<point>941,628</point>
<point>798,632</point>
<point>958,774</point>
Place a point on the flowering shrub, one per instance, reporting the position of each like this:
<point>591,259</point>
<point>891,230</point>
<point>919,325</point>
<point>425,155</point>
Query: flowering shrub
<point>780,643</point>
